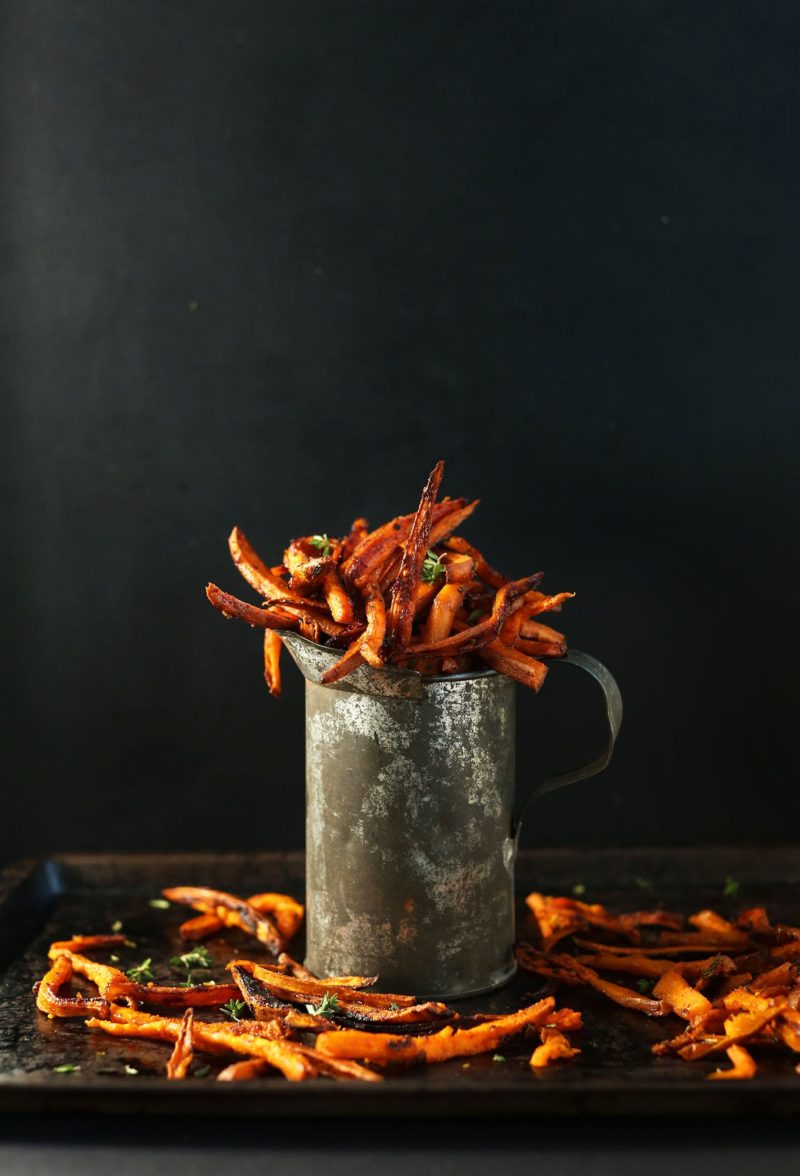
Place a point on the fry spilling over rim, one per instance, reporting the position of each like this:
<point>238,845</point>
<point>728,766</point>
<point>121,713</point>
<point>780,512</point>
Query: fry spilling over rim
<point>410,593</point>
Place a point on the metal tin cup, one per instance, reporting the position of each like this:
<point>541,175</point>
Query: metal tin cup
<point>411,830</point>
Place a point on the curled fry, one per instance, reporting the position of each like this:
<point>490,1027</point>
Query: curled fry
<point>232,910</point>
<point>182,1055</point>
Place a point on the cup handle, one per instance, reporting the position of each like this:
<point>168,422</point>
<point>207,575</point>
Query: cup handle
<point>613,701</point>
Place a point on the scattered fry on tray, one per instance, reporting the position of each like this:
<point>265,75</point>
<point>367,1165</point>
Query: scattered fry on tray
<point>232,911</point>
<point>409,593</point>
<point>182,1055</point>
<point>555,1047</point>
<point>741,995</point>
<point>387,1048</point>
<point>285,912</point>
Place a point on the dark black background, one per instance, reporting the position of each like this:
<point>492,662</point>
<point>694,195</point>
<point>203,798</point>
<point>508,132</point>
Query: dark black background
<point>263,262</point>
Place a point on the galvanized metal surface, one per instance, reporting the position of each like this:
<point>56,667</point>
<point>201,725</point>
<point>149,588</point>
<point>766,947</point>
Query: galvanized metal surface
<point>410,830</point>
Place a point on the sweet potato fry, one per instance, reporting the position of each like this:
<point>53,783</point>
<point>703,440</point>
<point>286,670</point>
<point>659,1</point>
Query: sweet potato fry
<point>290,988</point>
<point>555,1047</point>
<point>258,575</point>
<point>338,599</point>
<point>661,950</point>
<point>566,968</point>
<point>539,648</point>
<point>457,512</point>
<point>338,1067</point>
<point>285,912</point>
<point>633,965</point>
<point>484,569</point>
<point>401,611</point>
<point>739,1027</point>
<point>244,1071</point>
<point>208,1037</point>
<point>372,641</point>
<point>479,635</point>
<point>517,665</point>
<point>379,546</point>
<point>81,943</point>
<point>308,574</point>
<point>182,1055</point>
<point>272,661</point>
<point>307,612</point>
<point>257,618</point>
<point>50,1001</point>
<point>446,603</point>
<point>357,534</point>
<point>679,995</point>
<point>350,660</point>
<point>743,1064</point>
<point>232,910</point>
<point>535,631</point>
<point>385,1048</point>
<point>458,569</point>
<point>210,996</point>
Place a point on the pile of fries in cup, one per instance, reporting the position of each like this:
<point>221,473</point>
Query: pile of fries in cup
<point>277,1016</point>
<point>736,985</point>
<point>410,593</point>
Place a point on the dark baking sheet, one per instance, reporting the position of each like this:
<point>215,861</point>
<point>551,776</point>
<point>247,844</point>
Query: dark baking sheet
<point>615,1074</point>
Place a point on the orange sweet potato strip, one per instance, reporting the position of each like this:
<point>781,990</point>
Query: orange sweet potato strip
<point>115,985</point>
<point>540,648</point>
<point>50,1001</point>
<point>350,660</point>
<point>244,1071</point>
<point>285,911</point>
<point>477,636</point>
<point>526,670</point>
<point>566,968</point>
<point>308,575</point>
<point>338,1067</point>
<point>81,943</point>
<point>379,546</point>
<point>358,533</point>
<point>484,569</point>
<point>377,620</point>
<point>555,1047</point>
<point>458,569</point>
<point>442,526</point>
<point>210,996</point>
<point>439,621</point>
<point>401,610</point>
<point>259,576</point>
<point>209,1037</point>
<point>743,1066</point>
<point>272,661</point>
<point>292,987</point>
<point>338,599</point>
<point>681,997</point>
<point>257,618</point>
<point>637,964</point>
<point>739,1027</point>
<point>232,910</point>
<point>535,631</point>
<point>384,1048</point>
<point>307,612</point>
<point>537,602</point>
<point>661,950</point>
<point>182,1055</point>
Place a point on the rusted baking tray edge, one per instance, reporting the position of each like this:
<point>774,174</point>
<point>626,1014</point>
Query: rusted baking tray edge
<point>615,1075</point>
